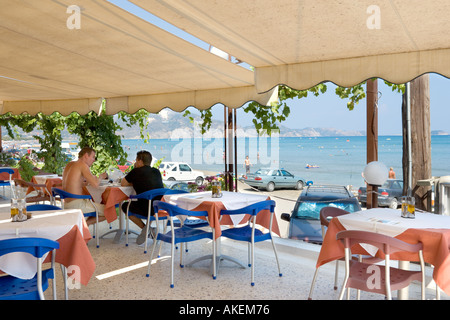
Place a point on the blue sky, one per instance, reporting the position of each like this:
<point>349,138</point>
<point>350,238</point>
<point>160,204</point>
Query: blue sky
<point>327,110</point>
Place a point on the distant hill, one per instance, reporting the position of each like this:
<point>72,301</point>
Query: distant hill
<point>164,124</point>
<point>168,122</point>
<point>439,133</point>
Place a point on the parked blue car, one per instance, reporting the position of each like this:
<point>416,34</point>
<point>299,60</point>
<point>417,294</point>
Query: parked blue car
<point>390,194</point>
<point>304,221</point>
<point>272,179</point>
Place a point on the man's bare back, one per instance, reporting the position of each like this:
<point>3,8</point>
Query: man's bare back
<point>77,174</point>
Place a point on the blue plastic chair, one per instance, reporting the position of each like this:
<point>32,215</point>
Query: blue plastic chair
<point>180,235</point>
<point>250,234</point>
<point>12,288</point>
<point>148,195</point>
<point>4,183</point>
<point>42,207</point>
<point>64,194</point>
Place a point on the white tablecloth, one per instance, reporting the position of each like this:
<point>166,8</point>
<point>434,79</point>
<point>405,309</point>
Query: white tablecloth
<point>389,222</point>
<point>44,224</point>
<point>96,193</point>
<point>41,179</point>
<point>231,201</point>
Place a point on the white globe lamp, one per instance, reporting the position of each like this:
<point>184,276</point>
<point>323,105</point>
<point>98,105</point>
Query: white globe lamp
<point>376,173</point>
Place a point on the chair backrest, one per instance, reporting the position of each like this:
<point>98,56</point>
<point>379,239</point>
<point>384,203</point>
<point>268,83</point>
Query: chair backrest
<point>7,170</point>
<point>64,194</point>
<point>42,207</point>
<point>387,244</point>
<point>24,183</point>
<point>37,187</point>
<point>150,194</point>
<point>175,191</point>
<point>253,209</point>
<point>34,246</point>
<point>173,210</point>
<point>330,212</point>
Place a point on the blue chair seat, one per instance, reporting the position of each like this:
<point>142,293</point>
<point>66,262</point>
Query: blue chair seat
<point>12,288</point>
<point>245,234</point>
<point>195,223</point>
<point>184,234</point>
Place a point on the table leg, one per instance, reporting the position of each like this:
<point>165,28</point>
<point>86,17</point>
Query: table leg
<point>403,294</point>
<point>121,231</point>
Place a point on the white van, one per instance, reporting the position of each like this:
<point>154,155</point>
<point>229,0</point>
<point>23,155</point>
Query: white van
<point>180,171</point>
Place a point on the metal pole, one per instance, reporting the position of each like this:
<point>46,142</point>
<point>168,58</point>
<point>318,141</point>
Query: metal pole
<point>408,138</point>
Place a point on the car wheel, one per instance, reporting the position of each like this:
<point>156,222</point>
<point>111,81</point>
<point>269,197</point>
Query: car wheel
<point>393,204</point>
<point>199,181</point>
<point>171,179</point>
<point>299,185</point>
<point>270,186</point>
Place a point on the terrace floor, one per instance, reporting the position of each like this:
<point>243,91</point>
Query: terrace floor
<point>120,273</point>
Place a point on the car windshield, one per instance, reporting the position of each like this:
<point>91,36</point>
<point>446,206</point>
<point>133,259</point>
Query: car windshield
<point>311,210</point>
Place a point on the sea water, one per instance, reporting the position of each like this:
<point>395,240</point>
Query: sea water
<point>338,160</point>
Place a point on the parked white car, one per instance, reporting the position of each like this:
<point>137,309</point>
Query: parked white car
<point>180,171</point>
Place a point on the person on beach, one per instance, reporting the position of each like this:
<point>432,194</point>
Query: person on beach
<point>247,165</point>
<point>391,173</point>
<point>76,175</point>
<point>143,178</point>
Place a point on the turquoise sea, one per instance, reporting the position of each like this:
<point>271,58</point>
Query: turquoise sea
<point>340,160</point>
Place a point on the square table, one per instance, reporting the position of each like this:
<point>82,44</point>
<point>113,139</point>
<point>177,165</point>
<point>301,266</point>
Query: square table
<point>203,201</point>
<point>431,229</point>
<point>68,227</point>
<point>111,194</point>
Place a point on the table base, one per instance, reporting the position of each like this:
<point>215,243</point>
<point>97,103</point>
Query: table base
<point>219,259</point>
<point>120,231</point>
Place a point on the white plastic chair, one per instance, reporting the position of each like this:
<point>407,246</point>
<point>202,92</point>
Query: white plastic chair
<point>377,278</point>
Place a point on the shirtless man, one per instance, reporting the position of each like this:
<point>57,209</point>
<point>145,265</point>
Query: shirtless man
<point>247,165</point>
<point>78,174</point>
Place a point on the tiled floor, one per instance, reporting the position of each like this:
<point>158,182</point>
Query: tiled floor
<point>121,274</point>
